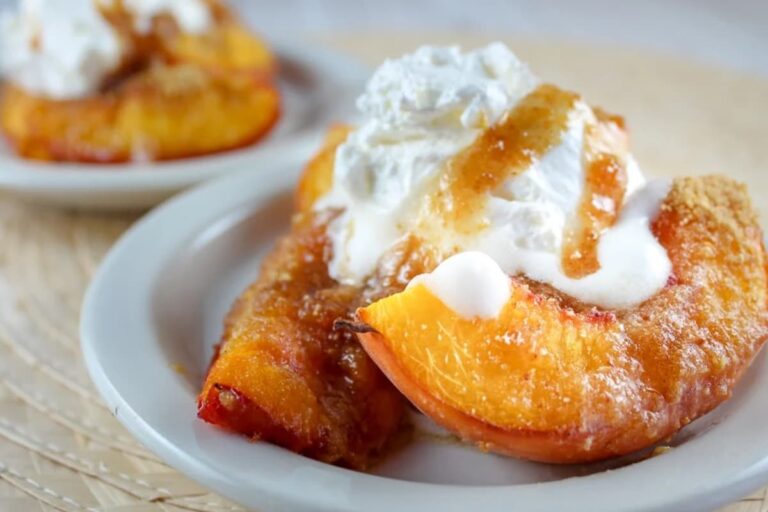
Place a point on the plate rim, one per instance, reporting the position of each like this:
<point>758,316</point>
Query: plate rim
<point>371,491</point>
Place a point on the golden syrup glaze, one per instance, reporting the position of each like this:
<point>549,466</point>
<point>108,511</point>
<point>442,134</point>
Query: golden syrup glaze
<point>502,151</point>
<point>605,185</point>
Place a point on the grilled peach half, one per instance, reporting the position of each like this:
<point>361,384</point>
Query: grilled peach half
<point>283,374</point>
<point>165,113</point>
<point>553,380</point>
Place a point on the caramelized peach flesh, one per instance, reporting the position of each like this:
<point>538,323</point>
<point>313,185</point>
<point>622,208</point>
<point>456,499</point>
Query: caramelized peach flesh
<point>317,178</point>
<point>283,374</point>
<point>557,381</point>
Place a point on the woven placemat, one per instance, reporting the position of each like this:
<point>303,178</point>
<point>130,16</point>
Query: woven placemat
<point>61,448</point>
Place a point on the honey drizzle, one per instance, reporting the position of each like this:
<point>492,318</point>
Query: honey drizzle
<point>502,151</point>
<point>605,184</point>
<point>507,149</point>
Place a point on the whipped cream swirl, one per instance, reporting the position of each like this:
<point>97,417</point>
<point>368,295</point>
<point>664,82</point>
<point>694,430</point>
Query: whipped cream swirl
<point>424,108</point>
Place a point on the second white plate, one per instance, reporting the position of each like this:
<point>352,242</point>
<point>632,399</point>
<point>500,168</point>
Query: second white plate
<point>158,303</point>
<point>317,86</point>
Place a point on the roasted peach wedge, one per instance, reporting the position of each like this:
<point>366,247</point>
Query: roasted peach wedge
<point>554,380</point>
<point>283,374</point>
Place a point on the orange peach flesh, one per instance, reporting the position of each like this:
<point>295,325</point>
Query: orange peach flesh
<point>557,381</point>
<point>283,374</point>
<point>317,178</point>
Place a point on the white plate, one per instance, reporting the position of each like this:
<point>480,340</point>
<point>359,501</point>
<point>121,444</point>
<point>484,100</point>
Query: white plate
<point>158,302</point>
<point>318,87</point>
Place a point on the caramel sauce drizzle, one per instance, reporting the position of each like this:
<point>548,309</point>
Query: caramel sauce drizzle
<point>605,184</point>
<point>502,151</point>
<point>508,148</point>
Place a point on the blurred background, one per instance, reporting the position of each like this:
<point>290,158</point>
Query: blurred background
<point>732,32</point>
<point>729,33</point>
<point>678,70</point>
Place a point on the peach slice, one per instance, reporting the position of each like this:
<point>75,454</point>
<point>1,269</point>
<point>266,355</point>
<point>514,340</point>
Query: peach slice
<point>283,374</point>
<point>167,112</point>
<point>554,380</point>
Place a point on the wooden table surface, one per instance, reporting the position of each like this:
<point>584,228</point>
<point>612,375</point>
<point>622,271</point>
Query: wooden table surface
<point>61,449</point>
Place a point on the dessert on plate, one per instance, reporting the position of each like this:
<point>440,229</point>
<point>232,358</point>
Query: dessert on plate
<point>484,247</point>
<point>132,80</point>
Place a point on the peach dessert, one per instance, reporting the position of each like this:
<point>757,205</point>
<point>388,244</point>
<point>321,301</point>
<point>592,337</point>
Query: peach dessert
<point>484,247</point>
<point>132,80</point>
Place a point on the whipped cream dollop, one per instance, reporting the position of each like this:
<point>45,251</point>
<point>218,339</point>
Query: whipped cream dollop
<point>424,108</point>
<point>484,299</point>
<point>59,49</point>
<point>193,16</point>
<point>419,111</point>
<point>65,49</point>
